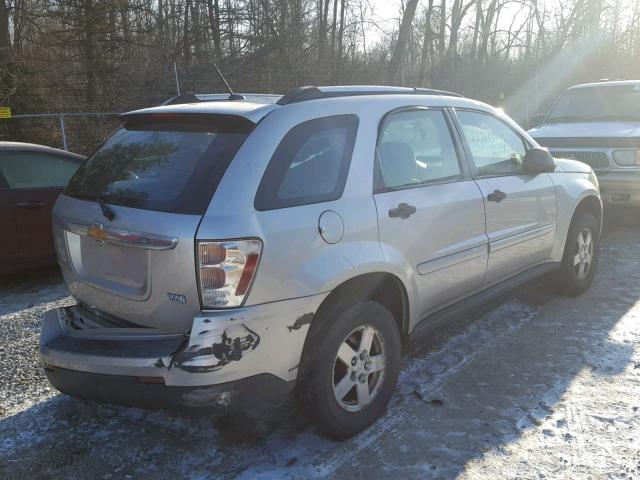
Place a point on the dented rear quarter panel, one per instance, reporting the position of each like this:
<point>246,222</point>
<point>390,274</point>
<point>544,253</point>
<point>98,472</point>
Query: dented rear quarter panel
<point>224,345</point>
<point>231,345</point>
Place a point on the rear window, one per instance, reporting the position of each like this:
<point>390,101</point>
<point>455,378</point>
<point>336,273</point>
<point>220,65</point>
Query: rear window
<point>310,165</point>
<point>170,165</point>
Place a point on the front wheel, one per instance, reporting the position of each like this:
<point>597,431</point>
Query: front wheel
<point>352,371</point>
<point>581,255</point>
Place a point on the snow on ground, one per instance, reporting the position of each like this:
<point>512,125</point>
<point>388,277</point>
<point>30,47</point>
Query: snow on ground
<point>538,386</point>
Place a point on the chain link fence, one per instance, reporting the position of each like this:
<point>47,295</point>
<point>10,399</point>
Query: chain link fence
<point>77,132</point>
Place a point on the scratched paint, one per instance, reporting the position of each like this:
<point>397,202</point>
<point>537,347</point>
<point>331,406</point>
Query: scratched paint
<point>231,345</point>
<point>301,321</point>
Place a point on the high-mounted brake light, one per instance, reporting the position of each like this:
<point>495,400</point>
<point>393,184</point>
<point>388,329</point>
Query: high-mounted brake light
<point>226,271</point>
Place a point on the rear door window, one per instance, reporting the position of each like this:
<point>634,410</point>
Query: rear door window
<point>415,148</point>
<point>310,165</point>
<point>172,165</point>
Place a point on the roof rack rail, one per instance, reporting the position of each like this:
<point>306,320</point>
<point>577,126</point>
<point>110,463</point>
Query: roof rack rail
<point>302,94</point>
<point>179,99</point>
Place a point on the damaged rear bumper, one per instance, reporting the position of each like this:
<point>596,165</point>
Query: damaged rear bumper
<point>247,393</point>
<point>247,353</point>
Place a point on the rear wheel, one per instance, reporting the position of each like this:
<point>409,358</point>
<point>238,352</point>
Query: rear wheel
<point>351,372</point>
<point>581,255</point>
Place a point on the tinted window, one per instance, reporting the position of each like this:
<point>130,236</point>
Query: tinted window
<point>310,165</point>
<point>415,147</point>
<point>496,148</point>
<point>173,167</point>
<point>36,170</point>
<point>598,103</point>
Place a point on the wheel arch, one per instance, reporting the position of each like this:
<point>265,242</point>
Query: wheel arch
<point>589,204</point>
<point>382,287</point>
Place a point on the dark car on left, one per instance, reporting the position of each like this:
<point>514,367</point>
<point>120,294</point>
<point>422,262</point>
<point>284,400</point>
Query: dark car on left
<point>31,178</point>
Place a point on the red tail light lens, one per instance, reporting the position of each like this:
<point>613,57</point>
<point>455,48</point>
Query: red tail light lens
<point>226,271</point>
<point>247,274</point>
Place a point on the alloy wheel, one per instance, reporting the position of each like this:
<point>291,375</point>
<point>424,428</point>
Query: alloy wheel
<point>359,366</point>
<point>583,258</point>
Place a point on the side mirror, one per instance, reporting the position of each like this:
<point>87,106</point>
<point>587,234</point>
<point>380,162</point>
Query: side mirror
<point>538,160</point>
<point>538,118</point>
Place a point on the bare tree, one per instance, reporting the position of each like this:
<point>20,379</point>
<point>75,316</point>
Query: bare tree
<point>401,44</point>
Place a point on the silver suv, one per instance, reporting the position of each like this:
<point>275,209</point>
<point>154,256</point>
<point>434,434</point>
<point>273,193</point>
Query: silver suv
<point>225,253</point>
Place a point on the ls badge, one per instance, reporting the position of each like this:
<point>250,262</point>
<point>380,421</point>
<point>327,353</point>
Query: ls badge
<point>174,297</point>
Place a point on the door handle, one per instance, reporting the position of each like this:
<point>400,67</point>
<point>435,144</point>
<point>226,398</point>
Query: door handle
<point>403,210</point>
<point>31,205</point>
<point>497,196</point>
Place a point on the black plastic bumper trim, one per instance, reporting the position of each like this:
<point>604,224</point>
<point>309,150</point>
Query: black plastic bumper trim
<point>244,394</point>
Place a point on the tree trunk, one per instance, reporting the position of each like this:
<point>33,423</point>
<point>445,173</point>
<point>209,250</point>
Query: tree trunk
<point>161,38</point>
<point>401,44</point>
<point>213,10</point>
<point>334,32</point>
<point>126,30</point>
<point>322,31</point>
<point>337,72</point>
<point>89,51</point>
<point>5,39</point>
<point>427,42</point>
<point>476,30</point>
<point>186,35</point>
<point>442,34</point>
<point>458,12</point>
<point>196,30</point>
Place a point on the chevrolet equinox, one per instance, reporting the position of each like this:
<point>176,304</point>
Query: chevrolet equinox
<point>222,253</point>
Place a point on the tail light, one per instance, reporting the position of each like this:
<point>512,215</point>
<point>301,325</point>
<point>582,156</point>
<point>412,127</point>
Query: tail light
<point>226,271</point>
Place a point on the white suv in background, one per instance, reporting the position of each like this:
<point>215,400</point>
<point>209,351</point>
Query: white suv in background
<point>599,124</point>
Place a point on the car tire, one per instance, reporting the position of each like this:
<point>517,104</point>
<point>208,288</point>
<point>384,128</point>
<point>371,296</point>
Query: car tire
<point>339,371</point>
<point>581,256</point>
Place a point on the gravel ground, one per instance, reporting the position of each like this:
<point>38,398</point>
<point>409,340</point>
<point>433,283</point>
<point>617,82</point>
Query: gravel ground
<point>537,386</point>
<point>23,300</point>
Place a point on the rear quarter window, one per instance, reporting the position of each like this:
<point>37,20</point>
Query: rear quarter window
<point>310,164</point>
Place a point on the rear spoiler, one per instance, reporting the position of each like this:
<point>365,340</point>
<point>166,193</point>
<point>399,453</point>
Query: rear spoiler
<point>188,121</point>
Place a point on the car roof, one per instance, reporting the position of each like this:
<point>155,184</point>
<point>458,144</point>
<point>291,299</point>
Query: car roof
<point>608,83</point>
<point>33,147</point>
<point>255,111</point>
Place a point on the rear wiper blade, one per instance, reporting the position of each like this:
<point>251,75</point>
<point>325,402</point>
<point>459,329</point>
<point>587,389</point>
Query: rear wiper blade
<point>106,210</point>
<point>108,213</point>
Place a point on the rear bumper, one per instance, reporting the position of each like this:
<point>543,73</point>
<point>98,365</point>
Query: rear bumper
<point>620,188</point>
<point>227,355</point>
<point>245,394</point>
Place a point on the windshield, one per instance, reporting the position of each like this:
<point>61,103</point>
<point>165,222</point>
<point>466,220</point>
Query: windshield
<point>613,103</point>
<point>164,166</point>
